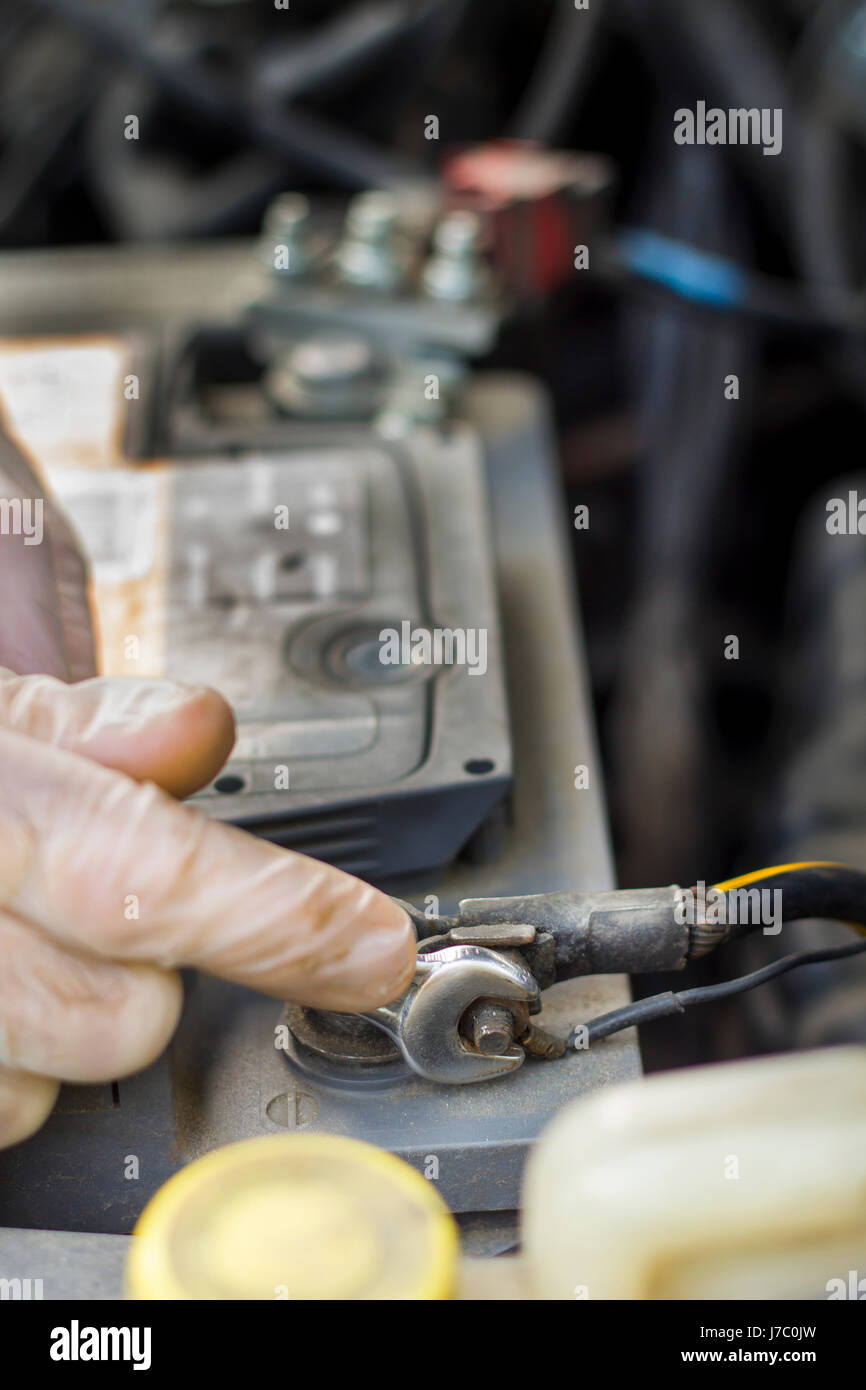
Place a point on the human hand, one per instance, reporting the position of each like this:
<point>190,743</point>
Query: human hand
<point>107,886</point>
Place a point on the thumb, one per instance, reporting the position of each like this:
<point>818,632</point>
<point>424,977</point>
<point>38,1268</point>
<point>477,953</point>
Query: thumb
<point>178,736</point>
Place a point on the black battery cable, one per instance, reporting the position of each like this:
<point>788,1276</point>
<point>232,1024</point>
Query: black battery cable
<point>817,888</point>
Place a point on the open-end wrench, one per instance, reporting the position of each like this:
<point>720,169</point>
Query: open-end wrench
<point>425,1021</point>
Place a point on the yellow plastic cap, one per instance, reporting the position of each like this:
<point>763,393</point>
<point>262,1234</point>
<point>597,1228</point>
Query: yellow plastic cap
<point>295,1217</point>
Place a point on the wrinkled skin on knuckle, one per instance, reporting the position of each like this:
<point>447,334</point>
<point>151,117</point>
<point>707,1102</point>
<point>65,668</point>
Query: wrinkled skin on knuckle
<point>95,859</point>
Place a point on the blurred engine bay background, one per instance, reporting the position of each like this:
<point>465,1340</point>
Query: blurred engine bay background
<point>707,516</point>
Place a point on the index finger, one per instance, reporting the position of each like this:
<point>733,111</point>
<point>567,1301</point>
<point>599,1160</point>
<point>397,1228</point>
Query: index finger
<point>118,868</point>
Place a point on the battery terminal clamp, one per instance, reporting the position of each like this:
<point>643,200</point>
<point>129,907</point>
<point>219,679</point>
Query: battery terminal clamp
<point>468,1014</point>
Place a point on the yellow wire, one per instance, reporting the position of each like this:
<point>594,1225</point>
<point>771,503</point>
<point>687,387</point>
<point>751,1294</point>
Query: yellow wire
<point>777,869</point>
<point>758,874</point>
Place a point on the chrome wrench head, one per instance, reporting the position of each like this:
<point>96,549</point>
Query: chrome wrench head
<point>425,1021</point>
